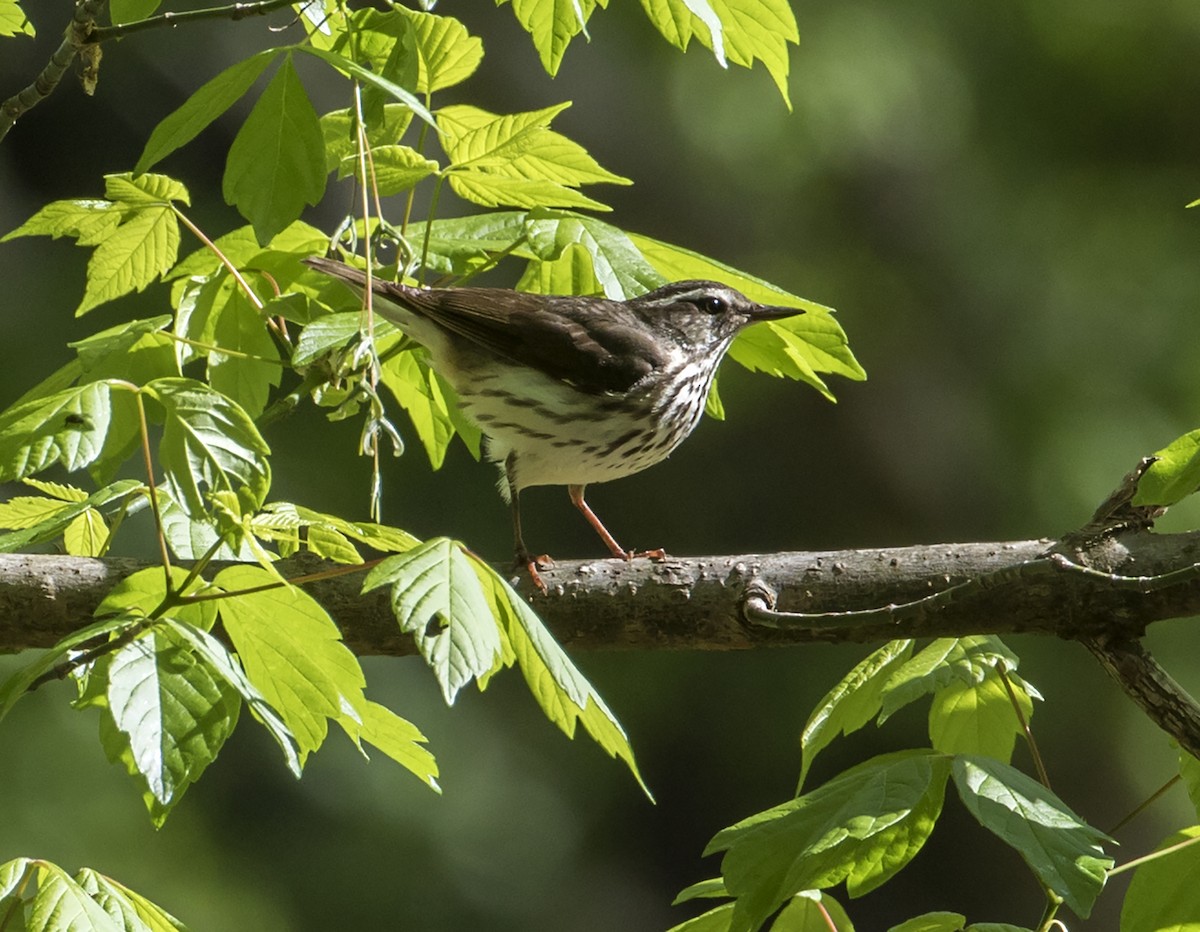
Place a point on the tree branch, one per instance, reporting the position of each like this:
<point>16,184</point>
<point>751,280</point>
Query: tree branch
<point>1102,590</point>
<point>83,38</point>
<point>77,37</point>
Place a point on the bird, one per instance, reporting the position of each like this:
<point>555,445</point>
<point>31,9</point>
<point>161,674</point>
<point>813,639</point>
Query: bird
<point>570,390</point>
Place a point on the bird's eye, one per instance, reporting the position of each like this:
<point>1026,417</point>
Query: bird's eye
<point>712,305</point>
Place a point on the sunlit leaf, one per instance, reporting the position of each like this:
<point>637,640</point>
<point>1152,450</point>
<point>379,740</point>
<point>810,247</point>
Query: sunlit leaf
<point>552,24</point>
<point>396,737</point>
<point>1174,474</point>
<point>1061,849</point>
<point>132,911</point>
<point>978,718</point>
<point>1163,894</point>
<point>292,652</point>
<point>276,164</point>
<point>60,903</point>
<point>852,702</point>
<point>208,442</point>
<point>436,597</point>
<point>447,53</point>
<point>13,21</point>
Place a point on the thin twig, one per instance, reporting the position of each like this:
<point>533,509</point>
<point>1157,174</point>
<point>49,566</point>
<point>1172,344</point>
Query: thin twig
<point>79,34</point>
<point>234,11</point>
<point>1038,763</point>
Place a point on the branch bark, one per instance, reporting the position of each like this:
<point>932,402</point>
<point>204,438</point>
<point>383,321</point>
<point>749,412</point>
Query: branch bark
<point>700,603</point>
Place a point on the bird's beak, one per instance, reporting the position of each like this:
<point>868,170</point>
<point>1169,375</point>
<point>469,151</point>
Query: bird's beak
<point>772,312</point>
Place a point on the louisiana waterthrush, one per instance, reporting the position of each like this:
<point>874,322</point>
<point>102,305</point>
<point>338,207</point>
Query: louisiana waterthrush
<point>571,390</point>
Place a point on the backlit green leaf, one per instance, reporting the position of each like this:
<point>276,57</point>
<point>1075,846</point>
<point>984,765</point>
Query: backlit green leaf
<point>221,661</point>
<point>932,922</point>
<point>436,597</point>
<point>851,703</point>
<point>61,904</point>
<point>1061,849</point>
<point>130,257</point>
<point>1175,473</point>
<point>276,164</point>
<point>366,76</point>
<point>68,428</point>
<point>247,365</point>
<point>978,718</point>
<point>552,24</point>
<point>616,262</point>
<point>292,652</point>
<point>172,714</point>
<point>447,53</point>
<point>58,519</point>
<point>132,911</point>
<point>418,391</point>
<point>13,21</point>
<point>564,694</point>
<point>1163,894</point>
<point>396,737</point>
<point>89,221</point>
<point>211,100</point>
<point>969,660</point>
<point>208,443</point>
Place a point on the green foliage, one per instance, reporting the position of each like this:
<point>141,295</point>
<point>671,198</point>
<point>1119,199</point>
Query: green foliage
<point>1161,896</point>
<point>164,416</point>
<point>41,897</point>
<point>13,21</point>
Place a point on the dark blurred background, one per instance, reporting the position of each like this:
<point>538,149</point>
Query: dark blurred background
<point>992,196</point>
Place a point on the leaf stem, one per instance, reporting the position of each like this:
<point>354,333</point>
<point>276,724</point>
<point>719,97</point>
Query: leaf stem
<point>152,490</point>
<point>1038,763</point>
<point>237,276</point>
<point>1153,855</point>
<point>433,203</point>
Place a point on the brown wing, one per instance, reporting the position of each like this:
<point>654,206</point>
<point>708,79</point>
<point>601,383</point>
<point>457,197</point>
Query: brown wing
<point>596,345</point>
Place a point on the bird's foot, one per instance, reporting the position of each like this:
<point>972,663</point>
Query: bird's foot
<point>531,565</point>
<point>656,554</point>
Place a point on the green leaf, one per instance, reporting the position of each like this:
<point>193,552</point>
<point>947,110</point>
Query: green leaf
<point>88,220</point>
<point>978,718</point>
<point>241,248</point>
<point>169,714</point>
<point>396,737</point>
<point>132,911</point>
<point>1163,894</point>
<point>812,911</point>
<point>562,692</point>
<point>208,442</point>
<point>60,903</point>
<point>13,21</point>
<point>149,190</point>
<point>572,272</point>
<point>69,428</point>
<point>251,367</point>
<point>418,391</point>
<point>715,920</point>
<point>59,519</point>
<point>13,688</point>
<point>436,597</point>
<point>341,143</point>
<point>851,703</point>
<point>136,351</point>
<point>87,535</point>
<point>617,263</point>
<point>130,257</point>
<point>460,244</point>
<point>396,168</point>
<point>516,159</point>
<point>331,331</point>
<point>676,20</point>
<point>1059,847</point>
<point>1175,473</point>
<point>932,922</point>
<point>704,889</point>
<point>212,99</point>
<point>1189,772</point>
<point>144,592</point>
<point>758,30</point>
<point>368,77</point>
<point>220,660</point>
<point>969,660</point>
<point>552,24</point>
<point>292,652</point>
<point>447,53</point>
<point>276,164</point>
<point>126,11</point>
<point>863,826</point>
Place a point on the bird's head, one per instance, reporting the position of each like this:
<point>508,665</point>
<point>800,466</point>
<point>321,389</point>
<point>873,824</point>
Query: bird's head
<point>702,314</point>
